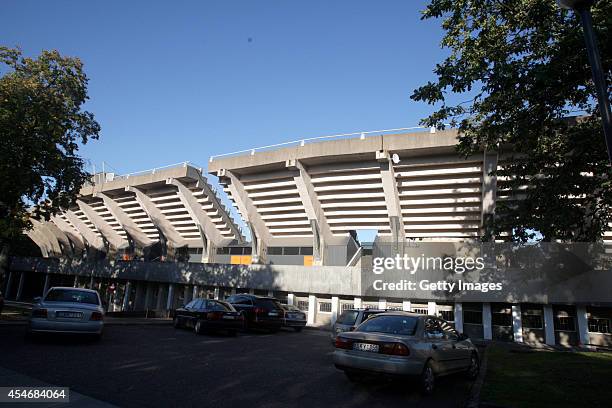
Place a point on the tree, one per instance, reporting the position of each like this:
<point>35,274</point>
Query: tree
<point>523,68</point>
<point>42,125</point>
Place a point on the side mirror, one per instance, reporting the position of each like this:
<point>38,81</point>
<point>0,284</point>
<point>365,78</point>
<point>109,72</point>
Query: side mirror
<point>37,299</point>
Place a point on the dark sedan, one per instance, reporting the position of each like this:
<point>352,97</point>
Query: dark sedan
<point>259,311</point>
<point>294,318</point>
<point>207,314</point>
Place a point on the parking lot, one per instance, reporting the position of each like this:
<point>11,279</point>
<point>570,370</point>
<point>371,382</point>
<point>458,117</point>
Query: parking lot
<point>156,365</point>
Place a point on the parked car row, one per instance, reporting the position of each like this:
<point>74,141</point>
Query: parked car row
<point>242,311</point>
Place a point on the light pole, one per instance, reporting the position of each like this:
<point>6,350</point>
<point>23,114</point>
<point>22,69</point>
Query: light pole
<point>583,8</point>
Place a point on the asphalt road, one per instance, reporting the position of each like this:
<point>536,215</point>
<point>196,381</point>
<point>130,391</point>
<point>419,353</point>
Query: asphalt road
<point>154,366</point>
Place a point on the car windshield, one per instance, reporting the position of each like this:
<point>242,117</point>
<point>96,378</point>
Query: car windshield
<point>402,325</point>
<point>218,305</point>
<point>73,296</point>
<point>348,317</point>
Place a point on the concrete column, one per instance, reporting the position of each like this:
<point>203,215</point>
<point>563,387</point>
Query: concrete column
<point>312,308</point>
<point>335,304</point>
<point>139,298</point>
<point>290,299</point>
<point>517,323</point>
<point>148,296</point>
<point>20,287</point>
<point>47,283</point>
<point>170,302</point>
<point>270,293</point>
<point>357,303</point>
<point>76,281</point>
<point>187,294</point>
<point>91,282</point>
<point>216,294</point>
<point>549,325</point>
<point>486,321</point>
<point>406,305</point>
<point>251,291</point>
<point>126,296</point>
<point>459,317</point>
<point>9,283</point>
<point>160,296</point>
<point>382,304</point>
<point>583,326</point>
<point>233,291</point>
<point>195,292</point>
<point>432,308</point>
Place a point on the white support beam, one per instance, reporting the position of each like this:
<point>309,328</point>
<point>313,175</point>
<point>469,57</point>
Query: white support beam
<point>382,304</point>
<point>486,321</point>
<point>357,303</point>
<point>583,326</point>
<point>116,241</point>
<point>432,308</point>
<point>158,219</point>
<point>312,309</point>
<point>549,325</point>
<point>41,242</point>
<point>321,232</point>
<point>489,187</point>
<point>459,317</point>
<point>260,235</point>
<point>290,299</point>
<point>517,323</point>
<point>77,239</point>
<point>392,200</point>
<point>52,242</point>
<point>406,306</point>
<point>60,236</point>
<point>127,223</point>
<point>208,229</point>
<point>91,237</point>
<point>335,308</point>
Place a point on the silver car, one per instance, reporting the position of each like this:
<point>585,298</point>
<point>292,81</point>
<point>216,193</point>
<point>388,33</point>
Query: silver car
<point>350,319</point>
<point>405,344</point>
<point>68,310</point>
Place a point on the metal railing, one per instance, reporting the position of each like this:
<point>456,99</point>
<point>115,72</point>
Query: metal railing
<point>302,142</point>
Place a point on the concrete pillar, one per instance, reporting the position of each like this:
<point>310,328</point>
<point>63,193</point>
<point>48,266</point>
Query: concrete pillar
<point>583,326</point>
<point>195,292</point>
<point>233,291</point>
<point>549,325</point>
<point>406,305</point>
<point>251,291</point>
<point>517,323</point>
<point>9,283</point>
<point>382,304</point>
<point>139,298</point>
<point>216,294</point>
<point>20,287</point>
<point>76,281</point>
<point>47,283</point>
<point>148,296</point>
<point>187,292</point>
<point>335,304</point>
<point>126,296</point>
<point>91,282</point>
<point>160,297</point>
<point>312,309</point>
<point>170,301</point>
<point>459,317</point>
<point>270,293</point>
<point>290,299</point>
<point>486,321</point>
<point>432,308</point>
<point>357,303</point>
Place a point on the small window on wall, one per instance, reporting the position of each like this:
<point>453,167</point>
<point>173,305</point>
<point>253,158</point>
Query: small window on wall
<point>325,307</point>
<point>472,317</point>
<point>532,319</point>
<point>236,251</point>
<point>564,322</point>
<point>597,325</point>
<point>305,250</point>
<point>291,250</point>
<point>223,251</point>
<point>420,310</point>
<point>302,305</point>
<point>448,315</point>
<point>275,250</point>
<point>501,318</point>
<point>346,306</point>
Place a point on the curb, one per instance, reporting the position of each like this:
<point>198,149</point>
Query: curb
<point>474,398</point>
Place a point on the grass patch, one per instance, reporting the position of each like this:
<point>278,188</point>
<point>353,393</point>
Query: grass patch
<point>547,379</point>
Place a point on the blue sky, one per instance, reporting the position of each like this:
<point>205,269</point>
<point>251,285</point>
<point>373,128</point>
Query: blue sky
<point>181,81</point>
<point>176,81</point>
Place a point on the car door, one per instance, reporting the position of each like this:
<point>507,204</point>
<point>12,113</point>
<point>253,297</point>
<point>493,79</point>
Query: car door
<point>459,356</point>
<point>440,347</point>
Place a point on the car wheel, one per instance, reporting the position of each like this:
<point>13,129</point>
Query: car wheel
<point>198,328</point>
<point>297,329</point>
<point>474,367</point>
<point>428,379</point>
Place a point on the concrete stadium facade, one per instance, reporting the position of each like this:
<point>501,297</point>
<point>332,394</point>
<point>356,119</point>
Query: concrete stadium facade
<point>155,239</point>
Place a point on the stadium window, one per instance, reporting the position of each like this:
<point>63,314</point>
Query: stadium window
<point>420,310</point>
<point>472,317</point>
<point>599,325</point>
<point>448,315</point>
<point>325,307</point>
<point>275,250</point>
<point>247,251</point>
<point>532,319</point>
<point>346,306</point>
<point>501,318</point>
<point>235,251</point>
<point>223,251</point>
<point>291,250</point>
<point>306,251</point>
<point>302,305</point>
<point>564,322</point>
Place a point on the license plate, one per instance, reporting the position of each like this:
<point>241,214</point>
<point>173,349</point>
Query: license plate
<point>69,315</point>
<point>373,348</point>
<point>229,317</point>
<point>272,314</point>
